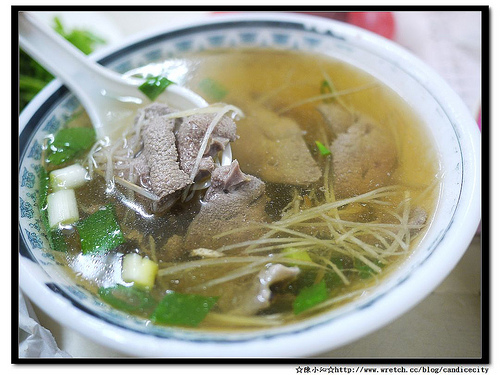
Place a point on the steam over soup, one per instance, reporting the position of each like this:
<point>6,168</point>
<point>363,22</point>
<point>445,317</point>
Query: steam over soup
<point>304,188</point>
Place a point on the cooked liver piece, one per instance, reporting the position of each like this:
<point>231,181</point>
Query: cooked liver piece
<point>155,110</point>
<point>190,136</point>
<point>274,149</point>
<point>363,159</point>
<point>170,148</point>
<point>234,200</point>
<point>250,300</point>
<point>337,117</point>
<point>165,176</point>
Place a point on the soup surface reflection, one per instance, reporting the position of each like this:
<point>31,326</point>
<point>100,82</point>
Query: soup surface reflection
<point>298,189</point>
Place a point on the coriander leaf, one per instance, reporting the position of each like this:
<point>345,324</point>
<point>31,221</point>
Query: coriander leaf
<point>309,297</point>
<point>154,86</point>
<point>100,232</point>
<point>182,309</point>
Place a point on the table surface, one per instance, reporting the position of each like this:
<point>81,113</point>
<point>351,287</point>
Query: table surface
<point>447,324</point>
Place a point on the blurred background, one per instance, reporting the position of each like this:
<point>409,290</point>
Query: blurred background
<point>447,323</point>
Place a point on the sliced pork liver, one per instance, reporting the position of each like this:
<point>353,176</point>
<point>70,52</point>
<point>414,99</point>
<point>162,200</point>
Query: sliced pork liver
<point>233,200</point>
<point>336,116</point>
<point>274,149</point>
<point>364,158</point>
<point>166,178</point>
<point>190,136</point>
<point>169,149</point>
<point>248,300</point>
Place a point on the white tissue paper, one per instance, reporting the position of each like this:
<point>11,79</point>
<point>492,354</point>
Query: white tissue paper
<point>35,341</point>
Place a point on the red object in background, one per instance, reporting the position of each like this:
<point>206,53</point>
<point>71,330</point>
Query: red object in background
<point>381,23</point>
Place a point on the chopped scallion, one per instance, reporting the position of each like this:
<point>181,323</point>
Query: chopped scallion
<point>365,271</point>
<point>128,299</point>
<point>100,231</point>
<point>154,86</point>
<point>70,177</point>
<point>141,271</point>
<point>182,309</point>
<point>62,208</point>
<point>297,254</point>
<point>54,236</point>
<point>326,88</point>
<point>309,297</point>
<point>212,89</point>
<point>323,150</point>
<point>69,143</point>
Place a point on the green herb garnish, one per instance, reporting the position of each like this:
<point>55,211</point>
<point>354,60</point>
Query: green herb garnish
<point>182,309</point>
<point>323,150</point>
<point>84,40</point>
<point>212,89</point>
<point>69,143</point>
<point>154,86</point>
<point>365,271</point>
<point>309,297</point>
<point>326,88</point>
<point>128,299</point>
<point>100,231</point>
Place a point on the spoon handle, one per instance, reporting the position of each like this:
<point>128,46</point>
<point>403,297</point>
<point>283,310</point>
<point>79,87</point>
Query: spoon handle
<point>109,99</point>
<point>59,56</point>
<point>90,82</point>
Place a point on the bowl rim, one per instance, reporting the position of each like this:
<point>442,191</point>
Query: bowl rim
<point>136,343</point>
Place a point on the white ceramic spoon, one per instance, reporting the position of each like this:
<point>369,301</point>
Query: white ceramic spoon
<point>108,98</point>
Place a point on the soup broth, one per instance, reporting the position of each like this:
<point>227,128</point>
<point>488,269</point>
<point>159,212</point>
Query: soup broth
<point>334,184</point>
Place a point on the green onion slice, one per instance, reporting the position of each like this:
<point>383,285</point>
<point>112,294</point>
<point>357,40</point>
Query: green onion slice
<point>326,88</point>
<point>309,297</point>
<point>323,150</point>
<point>100,231</point>
<point>182,309</point>
<point>69,143</point>
<point>128,299</point>
<point>154,86</point>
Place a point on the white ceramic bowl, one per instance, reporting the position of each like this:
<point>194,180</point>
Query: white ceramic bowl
<point>450,126</point>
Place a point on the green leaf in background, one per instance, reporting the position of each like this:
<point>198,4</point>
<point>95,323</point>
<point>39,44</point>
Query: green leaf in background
<point>100,231</point>
<point>68,143</point>
<point>154,86</point>
<point>84,40</point>
<point>182,309</point>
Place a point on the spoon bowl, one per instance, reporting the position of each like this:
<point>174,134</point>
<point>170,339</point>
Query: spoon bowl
<point>109,98</point>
